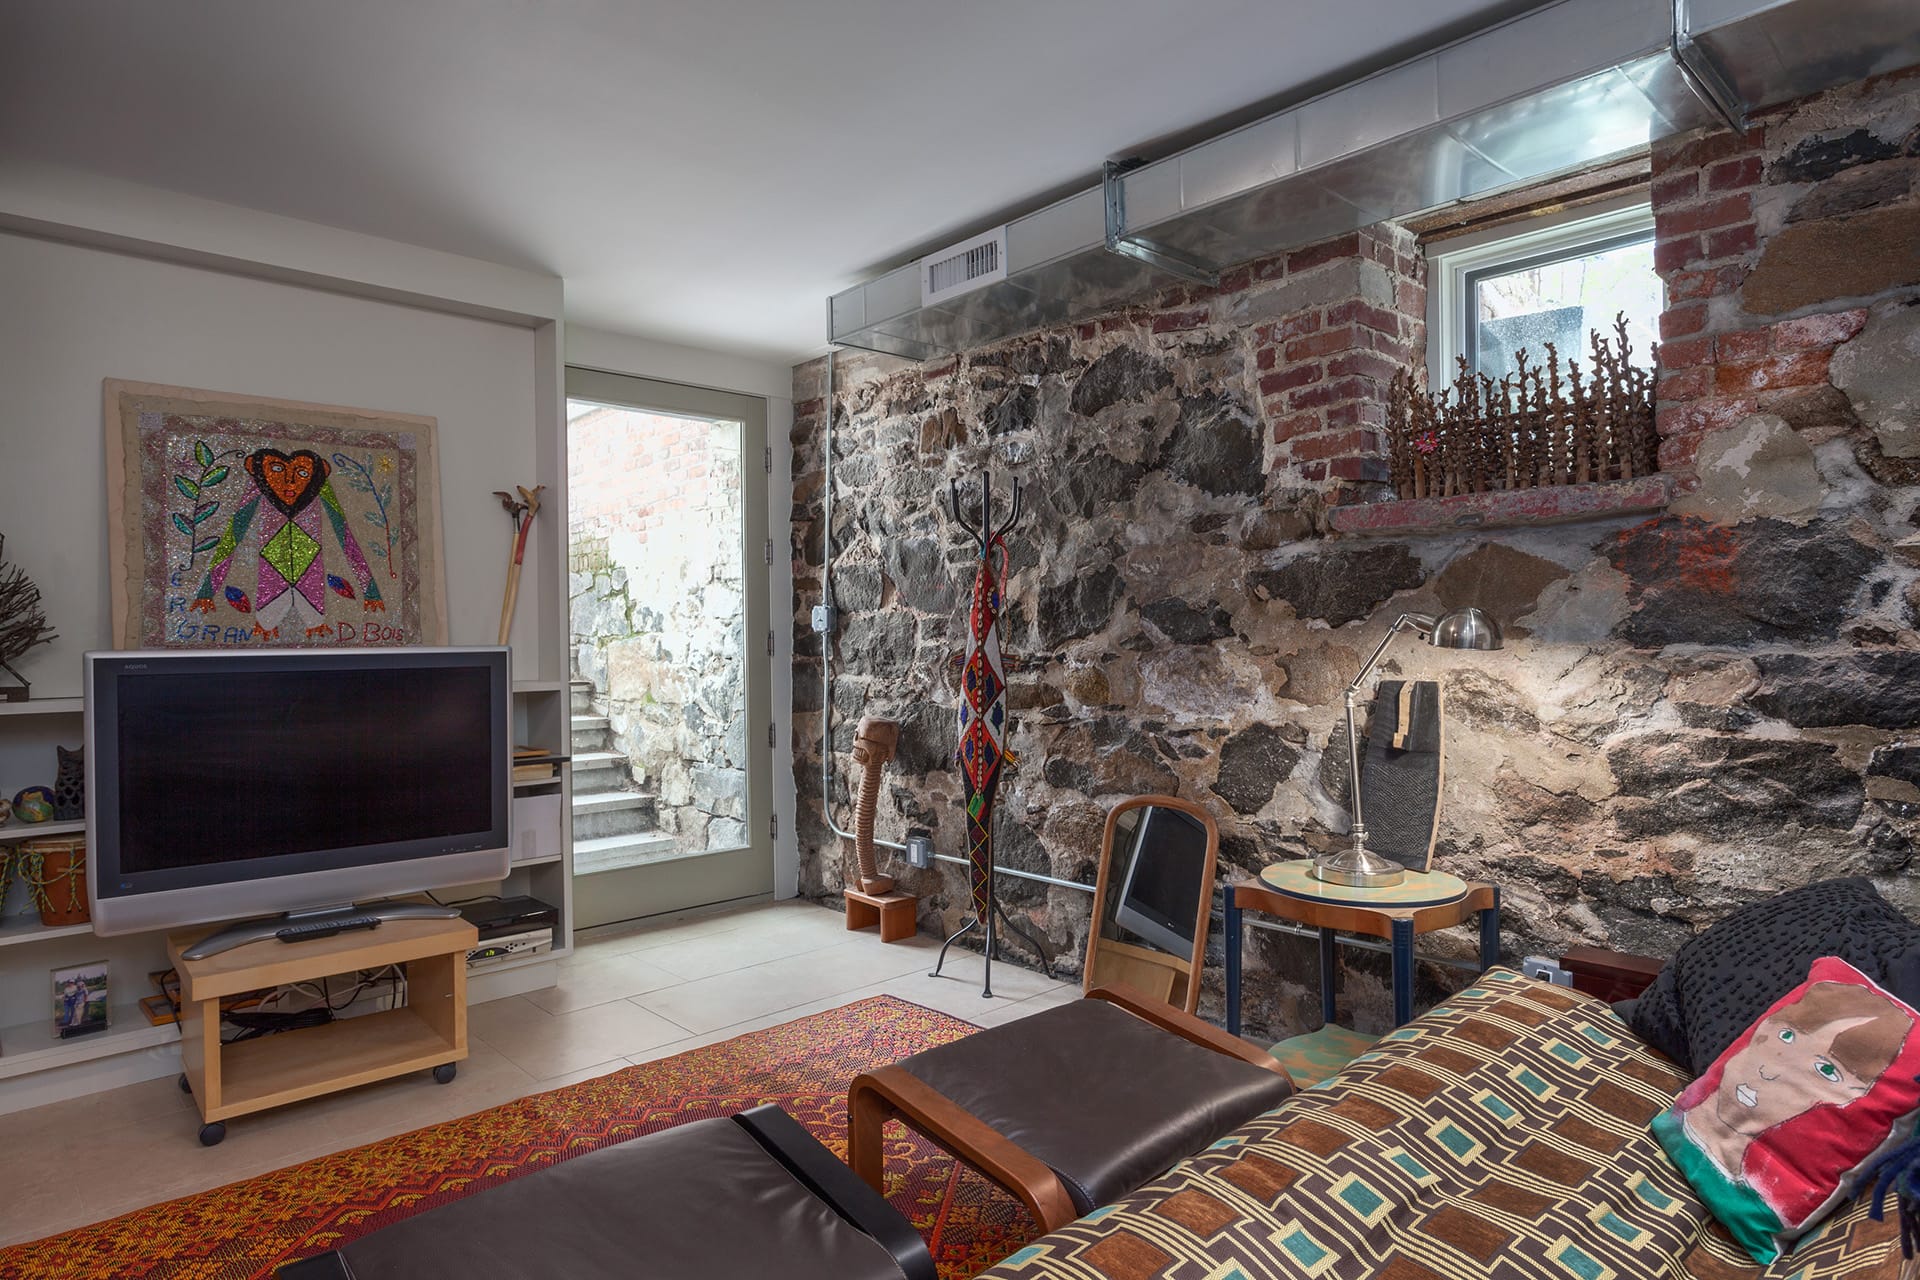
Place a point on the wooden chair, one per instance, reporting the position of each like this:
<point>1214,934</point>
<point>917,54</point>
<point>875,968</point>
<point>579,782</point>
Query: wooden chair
<point>1164,975</point>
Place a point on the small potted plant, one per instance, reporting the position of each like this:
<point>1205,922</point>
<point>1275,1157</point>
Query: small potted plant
<point>23,624</point>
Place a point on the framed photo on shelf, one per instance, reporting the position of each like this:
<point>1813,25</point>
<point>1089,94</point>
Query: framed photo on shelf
<point>80,1000</point>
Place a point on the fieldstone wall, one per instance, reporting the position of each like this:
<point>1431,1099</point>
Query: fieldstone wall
<point>1696,707</point>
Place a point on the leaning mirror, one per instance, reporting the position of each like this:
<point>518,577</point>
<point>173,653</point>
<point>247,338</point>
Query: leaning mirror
<point>1153,897</point>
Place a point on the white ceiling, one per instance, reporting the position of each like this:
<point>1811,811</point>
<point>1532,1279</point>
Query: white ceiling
<point>703,173</point>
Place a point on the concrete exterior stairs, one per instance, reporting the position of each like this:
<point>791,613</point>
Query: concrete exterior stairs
<point>615,822</point>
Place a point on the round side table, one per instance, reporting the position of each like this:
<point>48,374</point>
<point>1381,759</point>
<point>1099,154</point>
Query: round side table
<point>1421,903</point>
<point>1418,889</point>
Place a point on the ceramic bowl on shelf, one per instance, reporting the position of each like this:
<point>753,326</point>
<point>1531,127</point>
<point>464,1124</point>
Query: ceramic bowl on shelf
<point>33,804</point>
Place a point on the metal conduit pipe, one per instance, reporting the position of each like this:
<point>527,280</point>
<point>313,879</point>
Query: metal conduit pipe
<point>1018,874</point>
<point>826,669</point>
<point>826,640</point>
<point>1363,944</point>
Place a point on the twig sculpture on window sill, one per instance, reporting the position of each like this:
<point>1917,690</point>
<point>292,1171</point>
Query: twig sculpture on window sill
<point>1532,428</point>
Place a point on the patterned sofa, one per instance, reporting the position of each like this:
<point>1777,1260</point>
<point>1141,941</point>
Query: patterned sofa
<point>1503,1136</point>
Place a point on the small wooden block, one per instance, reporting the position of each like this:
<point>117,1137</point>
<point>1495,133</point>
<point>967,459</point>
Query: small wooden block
<point>893,912</point>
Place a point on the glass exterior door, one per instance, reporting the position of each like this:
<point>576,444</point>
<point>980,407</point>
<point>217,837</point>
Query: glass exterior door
<point>671,798</point>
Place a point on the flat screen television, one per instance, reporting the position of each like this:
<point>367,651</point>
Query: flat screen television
<point>235,783</point>
<point>1160,897</point>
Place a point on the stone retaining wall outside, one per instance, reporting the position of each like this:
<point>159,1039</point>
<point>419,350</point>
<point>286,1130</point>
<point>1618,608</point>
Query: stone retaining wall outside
<point>656,598</point>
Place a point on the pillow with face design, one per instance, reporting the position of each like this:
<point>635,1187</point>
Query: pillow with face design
<point>1779,1130</point>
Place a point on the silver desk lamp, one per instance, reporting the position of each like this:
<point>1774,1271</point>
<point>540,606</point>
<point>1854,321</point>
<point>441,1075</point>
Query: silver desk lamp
<point>1462,629</point>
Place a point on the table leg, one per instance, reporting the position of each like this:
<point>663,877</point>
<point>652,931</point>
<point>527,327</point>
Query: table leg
<point>1232,945</point>
<point>1490,934</point>
<point>1328,966</point>
<point>1402,971</point>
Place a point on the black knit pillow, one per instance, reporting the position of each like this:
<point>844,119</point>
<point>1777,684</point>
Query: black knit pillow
<point>1721,981</point>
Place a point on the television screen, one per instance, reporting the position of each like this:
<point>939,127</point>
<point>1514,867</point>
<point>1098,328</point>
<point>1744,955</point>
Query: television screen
<point>222,784</point>
<point>1160,898</point>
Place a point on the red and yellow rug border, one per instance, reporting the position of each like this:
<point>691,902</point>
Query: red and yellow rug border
<point>243,1230</point>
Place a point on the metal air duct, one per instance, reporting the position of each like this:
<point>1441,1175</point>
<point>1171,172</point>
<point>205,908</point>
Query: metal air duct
<point>1553,91</point>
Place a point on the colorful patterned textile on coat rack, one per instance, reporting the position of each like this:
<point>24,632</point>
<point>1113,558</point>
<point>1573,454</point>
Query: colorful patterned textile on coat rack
<point>982,752</point>
<point>983,717</point>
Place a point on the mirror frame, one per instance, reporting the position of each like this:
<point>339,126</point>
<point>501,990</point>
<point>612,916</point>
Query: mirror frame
<point>1191,966</point>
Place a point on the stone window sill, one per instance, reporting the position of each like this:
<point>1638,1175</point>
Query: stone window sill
<point>1518,509</point>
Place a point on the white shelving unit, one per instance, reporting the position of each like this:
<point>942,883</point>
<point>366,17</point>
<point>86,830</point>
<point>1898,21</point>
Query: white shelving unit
<point>14,830</point>
<point>44,707</point>
<point>542,717</point>
<point>20,927</point>
<point>35,1065</point>
<point>31,1046</point>
<point>29,731</point>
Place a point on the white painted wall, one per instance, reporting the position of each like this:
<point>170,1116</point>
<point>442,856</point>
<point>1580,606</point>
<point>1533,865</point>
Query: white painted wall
<point>692,366</point>
<point>74,315</point>
<point>101,279</point>
<point>73,205</point>
<point>589,348</point>
<point>786,847</point>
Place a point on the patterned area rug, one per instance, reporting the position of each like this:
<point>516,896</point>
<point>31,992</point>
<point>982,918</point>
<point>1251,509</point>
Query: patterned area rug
<point>245,1230</point>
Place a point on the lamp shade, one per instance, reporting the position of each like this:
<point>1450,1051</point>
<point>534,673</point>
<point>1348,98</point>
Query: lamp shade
<point>1467,628</point>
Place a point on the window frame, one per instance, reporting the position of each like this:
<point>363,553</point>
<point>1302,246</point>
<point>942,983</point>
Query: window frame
<point>1454,271</point>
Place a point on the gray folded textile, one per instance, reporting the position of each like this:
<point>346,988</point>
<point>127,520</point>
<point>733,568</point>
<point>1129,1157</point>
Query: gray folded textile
<point>1401,772</point>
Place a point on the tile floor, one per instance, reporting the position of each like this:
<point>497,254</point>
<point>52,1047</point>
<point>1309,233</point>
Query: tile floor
<point>626,996</point>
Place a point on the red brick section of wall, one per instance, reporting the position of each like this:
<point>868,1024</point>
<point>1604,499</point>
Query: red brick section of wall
<point>630,472</point>
<point>1719,364</point>
<point>1324,370</point>
<point>1330,325</point>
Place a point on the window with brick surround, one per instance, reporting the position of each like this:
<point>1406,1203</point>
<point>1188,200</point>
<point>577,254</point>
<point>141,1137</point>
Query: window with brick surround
<point>1548,279</point>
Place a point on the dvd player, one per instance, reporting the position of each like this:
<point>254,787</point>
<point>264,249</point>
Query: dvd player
<point>512,946</point>
<point>497,917</point>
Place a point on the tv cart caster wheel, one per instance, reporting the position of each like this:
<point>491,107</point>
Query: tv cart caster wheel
<point>211,1134</point>
<point>444,1073</point>
<point>185,1087</point>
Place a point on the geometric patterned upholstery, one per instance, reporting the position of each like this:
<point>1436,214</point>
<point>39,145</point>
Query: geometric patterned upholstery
<point>1320,1054</point>
<point>1503,1136</point>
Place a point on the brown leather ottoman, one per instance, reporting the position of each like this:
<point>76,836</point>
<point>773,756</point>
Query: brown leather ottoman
<point>749,1195</point>
<point>1075,1107</point>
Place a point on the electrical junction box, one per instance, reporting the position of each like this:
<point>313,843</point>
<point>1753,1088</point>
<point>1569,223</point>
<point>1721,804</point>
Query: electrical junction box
<point>1541,969</point>
<point>825,618</point>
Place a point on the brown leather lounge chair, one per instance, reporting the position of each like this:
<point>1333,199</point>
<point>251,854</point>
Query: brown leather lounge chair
<point>748,1195</point>
<point>1075,1107</point>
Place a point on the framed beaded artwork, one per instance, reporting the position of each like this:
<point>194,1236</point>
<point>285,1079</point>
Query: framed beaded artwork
<point>239,522</point>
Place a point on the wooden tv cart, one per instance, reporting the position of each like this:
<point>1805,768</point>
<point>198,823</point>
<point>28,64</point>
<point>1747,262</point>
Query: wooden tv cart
<point>270,1071</point>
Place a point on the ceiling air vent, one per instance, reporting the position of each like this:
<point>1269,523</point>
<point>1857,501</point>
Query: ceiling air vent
<point>969,265</point>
